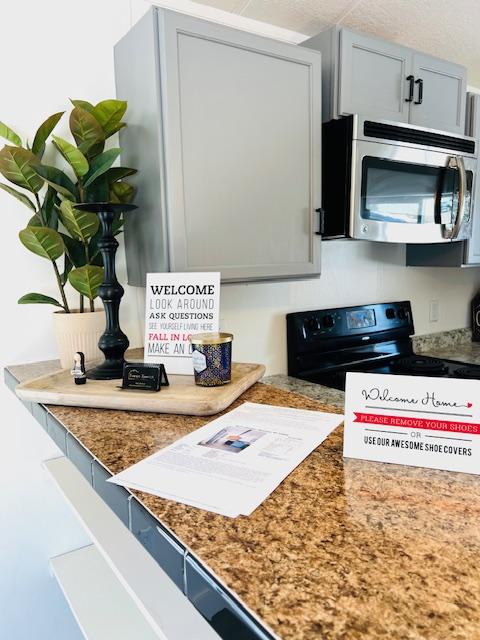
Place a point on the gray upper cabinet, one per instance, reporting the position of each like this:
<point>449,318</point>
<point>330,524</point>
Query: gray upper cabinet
<point>443,87</point>
<point>225,128</point>
<point>386,81</point>
<point>372,77</point>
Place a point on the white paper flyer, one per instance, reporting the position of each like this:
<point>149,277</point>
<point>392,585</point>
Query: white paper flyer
<point>232,464</point>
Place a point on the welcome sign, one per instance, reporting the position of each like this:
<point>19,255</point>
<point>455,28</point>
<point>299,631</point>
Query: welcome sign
<point>178,305</point>
<point>413,420</point>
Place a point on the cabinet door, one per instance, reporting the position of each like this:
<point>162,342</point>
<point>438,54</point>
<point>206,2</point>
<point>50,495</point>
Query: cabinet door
<point>444,94</point>
<point>373,77</point>
<point>242,131</point>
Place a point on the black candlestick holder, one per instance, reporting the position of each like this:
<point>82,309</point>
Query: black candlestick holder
<point>113,341</point>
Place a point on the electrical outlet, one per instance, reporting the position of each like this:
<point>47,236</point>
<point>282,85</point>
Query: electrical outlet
<point>434,310</point>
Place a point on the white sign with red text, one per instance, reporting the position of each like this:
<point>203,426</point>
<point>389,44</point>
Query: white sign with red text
<point>413,420</point>
<point>177,306</point>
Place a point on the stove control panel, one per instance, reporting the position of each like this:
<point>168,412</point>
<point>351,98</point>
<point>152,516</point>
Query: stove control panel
<point>362,323</point>
<point>312,333</point>
<point>320,323</point>
<point>351,321</point>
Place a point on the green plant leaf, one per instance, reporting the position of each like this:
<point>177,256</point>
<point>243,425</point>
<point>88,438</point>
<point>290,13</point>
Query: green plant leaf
<point>98,191</point>
<point>35,221</point>
<point>19,196</point>
<point>38,298</point>
<point>17,166</point>
<point>45,242</point>
<point>68,266</point>
<point>49,208</point>
<point>86,280</point>
<point>87,132</point>
<point>122,192</point>
<point>75,251</point>
<point>117,128</point>
<point>109,114</point>
<point>82,225</point>
<point>57,179</point>
<point>44,130</point>
<point>118,173</point>
<point>83,104</point>
<point>72,155</point>
<point>9,134</point>
<point>97,260</point>
<point>100,164</point>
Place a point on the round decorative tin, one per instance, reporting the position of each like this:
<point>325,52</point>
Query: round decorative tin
<point>212,358</point>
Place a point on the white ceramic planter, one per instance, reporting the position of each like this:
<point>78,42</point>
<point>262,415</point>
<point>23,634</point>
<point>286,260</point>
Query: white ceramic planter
<point>78,332</point>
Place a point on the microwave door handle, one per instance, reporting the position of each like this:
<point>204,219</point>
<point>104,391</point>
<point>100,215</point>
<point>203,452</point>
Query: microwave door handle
<point>452,231</point>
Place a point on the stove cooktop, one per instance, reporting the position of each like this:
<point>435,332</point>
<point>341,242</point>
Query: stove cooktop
<point>413,365</point>
<point>324,345</point>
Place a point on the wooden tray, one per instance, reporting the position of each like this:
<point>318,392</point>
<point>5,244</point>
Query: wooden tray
<point>183,396</point>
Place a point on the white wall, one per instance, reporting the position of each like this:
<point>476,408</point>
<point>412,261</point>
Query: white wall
<point>353,272</point>
<point>50,51</point>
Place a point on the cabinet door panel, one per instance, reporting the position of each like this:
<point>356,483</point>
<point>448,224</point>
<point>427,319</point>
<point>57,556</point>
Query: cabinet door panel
<point>373,77</point>
<point>243,126</point>
<point>444,94</point>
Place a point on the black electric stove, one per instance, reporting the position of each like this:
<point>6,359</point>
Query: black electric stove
<point>323,345</point>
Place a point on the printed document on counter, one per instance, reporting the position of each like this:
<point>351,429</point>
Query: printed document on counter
<point>232,464</point>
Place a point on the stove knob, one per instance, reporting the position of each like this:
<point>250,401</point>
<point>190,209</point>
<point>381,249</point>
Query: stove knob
<point>390,313</point>
<point>312,324</point>
<point>328,322</point>
<point>402,314</point>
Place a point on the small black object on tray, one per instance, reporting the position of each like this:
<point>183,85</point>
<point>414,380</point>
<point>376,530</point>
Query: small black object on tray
<point>147,377</point>
<point>78,369</point>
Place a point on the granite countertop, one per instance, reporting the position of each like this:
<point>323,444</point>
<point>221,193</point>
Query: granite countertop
<point>342,550</point>
<point>468,352</point>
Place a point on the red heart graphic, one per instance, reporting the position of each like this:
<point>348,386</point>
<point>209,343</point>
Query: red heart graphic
<point>469,404</point>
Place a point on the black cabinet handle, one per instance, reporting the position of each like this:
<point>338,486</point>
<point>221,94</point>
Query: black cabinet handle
<point>321,221</point>
<point>420,91</point>
<point>411,80</point>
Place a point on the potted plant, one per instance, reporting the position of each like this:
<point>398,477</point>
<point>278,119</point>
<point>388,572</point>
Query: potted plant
<point>56,231</point>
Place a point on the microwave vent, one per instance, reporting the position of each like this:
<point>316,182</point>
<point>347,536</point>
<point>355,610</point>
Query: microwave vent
<point>416,136</point>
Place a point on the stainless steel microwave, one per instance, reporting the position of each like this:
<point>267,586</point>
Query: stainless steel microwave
<point>394,182</point>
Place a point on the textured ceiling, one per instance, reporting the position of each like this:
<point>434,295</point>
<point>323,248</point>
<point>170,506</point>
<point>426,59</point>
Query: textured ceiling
<point>449,29</point>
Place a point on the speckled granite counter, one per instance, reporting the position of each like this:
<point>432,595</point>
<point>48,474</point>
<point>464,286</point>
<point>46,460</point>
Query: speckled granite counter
<point>451,345</point>
<point>327,395</point>
<point>467,352</point>
<point>342,550</point>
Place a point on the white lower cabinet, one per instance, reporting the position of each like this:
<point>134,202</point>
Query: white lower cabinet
<point>114,587</point>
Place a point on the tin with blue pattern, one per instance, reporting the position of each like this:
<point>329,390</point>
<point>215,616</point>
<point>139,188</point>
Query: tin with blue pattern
<point>212,358</point>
